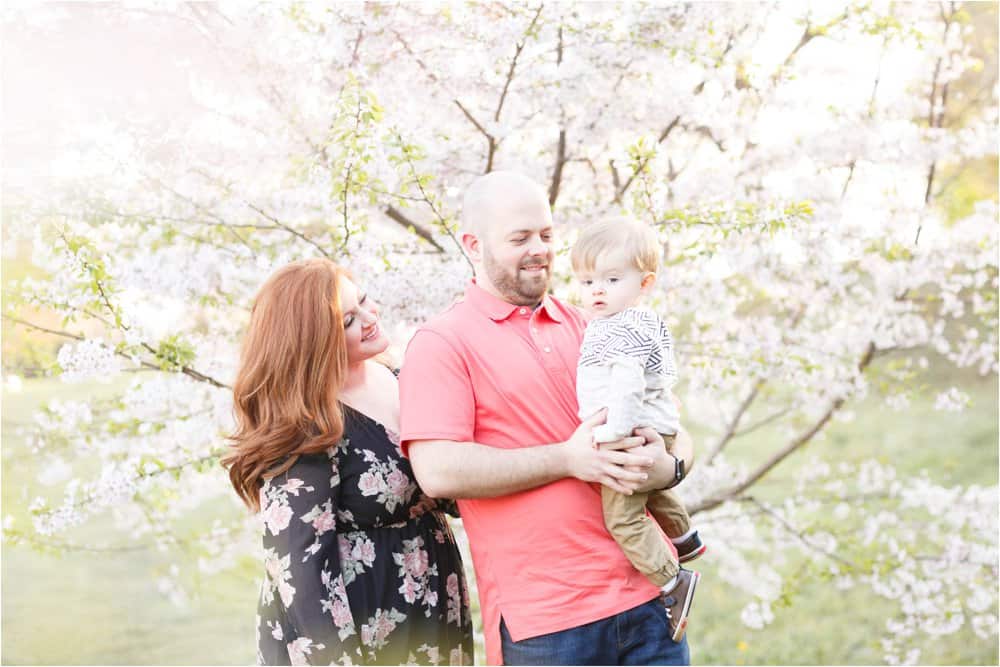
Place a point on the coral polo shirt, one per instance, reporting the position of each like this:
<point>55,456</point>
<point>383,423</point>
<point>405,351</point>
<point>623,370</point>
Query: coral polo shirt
<point>490,372</point>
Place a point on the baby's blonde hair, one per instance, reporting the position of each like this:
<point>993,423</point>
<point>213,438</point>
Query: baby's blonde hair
<point>638,240</point>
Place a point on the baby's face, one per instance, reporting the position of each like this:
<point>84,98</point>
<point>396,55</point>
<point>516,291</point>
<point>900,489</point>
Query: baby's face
<point>612,286</point>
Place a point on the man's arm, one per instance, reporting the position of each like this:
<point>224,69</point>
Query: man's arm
<point>450,469</point>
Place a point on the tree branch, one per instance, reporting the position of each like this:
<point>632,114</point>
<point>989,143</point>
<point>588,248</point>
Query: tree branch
<point>936,121</point>
<point>186,370</point>
<point>745,405</point>
<point>799,534</point>
<point>17,537</point>
<point>763,422</point>
<point>397,216</point>
<point>663,136</point>
<point>472,119</point>
<point>347,179</point>
<point>809,34</point>
<point>513,64</point>
<point>357,46</point>
<point>280,225</point>
<point>558,169</point>
<point>423,193</point>
<point>734,422</point>
<point>491,142</point>
<point>783,453</point>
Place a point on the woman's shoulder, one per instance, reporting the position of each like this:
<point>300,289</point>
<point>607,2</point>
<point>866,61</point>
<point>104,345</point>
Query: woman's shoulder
<point>306,463</point>
<point>307,473</point>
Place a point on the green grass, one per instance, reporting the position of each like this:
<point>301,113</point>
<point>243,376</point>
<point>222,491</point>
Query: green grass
<point>824,625</point>
<point>104,608</point>
<point>93,608</point>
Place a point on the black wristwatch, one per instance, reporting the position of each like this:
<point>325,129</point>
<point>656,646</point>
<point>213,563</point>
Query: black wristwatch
<point>678,473</point>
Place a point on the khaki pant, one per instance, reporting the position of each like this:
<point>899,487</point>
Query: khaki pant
<point>627,521</point>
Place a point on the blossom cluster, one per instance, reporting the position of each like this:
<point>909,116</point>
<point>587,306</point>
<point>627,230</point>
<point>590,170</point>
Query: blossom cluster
<point>785,161</point>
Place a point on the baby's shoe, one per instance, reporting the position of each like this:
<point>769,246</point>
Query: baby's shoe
<point>678,602</point>
<point>690,547</point>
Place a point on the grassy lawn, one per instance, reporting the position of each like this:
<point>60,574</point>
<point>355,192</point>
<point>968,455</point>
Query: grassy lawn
<point>104,608</point>
<point>824,625</point>
<point>94,608</point>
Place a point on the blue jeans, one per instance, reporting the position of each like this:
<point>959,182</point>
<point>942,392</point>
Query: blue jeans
<point>639,636</point>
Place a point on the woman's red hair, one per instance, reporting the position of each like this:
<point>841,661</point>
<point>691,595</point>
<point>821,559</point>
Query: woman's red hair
<point>292,367</point>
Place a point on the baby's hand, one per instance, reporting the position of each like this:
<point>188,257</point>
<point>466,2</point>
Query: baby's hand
<point>603,433</point>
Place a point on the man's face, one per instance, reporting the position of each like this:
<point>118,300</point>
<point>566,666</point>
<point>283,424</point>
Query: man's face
<point>517,253</point>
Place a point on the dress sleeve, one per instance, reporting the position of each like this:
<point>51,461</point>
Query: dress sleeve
<point>302,562</point>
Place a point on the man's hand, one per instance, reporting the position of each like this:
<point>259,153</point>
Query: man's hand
<point>616,469</point>
<point>661,472</point>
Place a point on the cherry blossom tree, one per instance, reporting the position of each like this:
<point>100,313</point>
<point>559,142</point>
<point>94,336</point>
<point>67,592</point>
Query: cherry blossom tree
<point>792,159</point>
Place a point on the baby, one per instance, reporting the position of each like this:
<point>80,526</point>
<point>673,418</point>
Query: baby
<point>627,365</point>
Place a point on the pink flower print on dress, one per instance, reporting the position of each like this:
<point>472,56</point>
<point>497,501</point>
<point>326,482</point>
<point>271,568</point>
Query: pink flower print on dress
<point>287,593</point>
<point>345,548</point>
<point>341,614</point>
<point>277,516</point>
<point>364,551</point>
<point>394,439</point>
<point>383,626</point>
<point>410,589</point>
<point>433,654</point>
<point>324,522</point>
<point>379,626</point>
<point>292,486</point>
<point>398,482</point>
<point>272,565</point>
<point>415,562</point>
<point>299,649</point>
<point>454,603</point>
<point>371,484</point>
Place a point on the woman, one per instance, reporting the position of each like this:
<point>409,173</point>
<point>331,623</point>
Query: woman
<point>360,566</point>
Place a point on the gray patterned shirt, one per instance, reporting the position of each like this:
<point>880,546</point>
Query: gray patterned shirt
<point>627,365</point>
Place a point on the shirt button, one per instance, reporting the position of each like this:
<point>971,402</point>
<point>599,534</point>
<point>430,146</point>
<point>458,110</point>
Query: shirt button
<point>548,349</point>
<point>523,311</point>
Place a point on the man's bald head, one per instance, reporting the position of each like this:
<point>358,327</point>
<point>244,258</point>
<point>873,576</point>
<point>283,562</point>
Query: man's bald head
<point>501,196</point>
<point>507,235</point>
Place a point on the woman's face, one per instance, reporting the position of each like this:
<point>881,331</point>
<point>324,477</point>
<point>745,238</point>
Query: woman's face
<point>362,332</point>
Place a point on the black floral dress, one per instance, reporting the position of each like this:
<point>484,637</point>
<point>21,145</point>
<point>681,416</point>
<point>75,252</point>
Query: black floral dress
<point>360,566</point>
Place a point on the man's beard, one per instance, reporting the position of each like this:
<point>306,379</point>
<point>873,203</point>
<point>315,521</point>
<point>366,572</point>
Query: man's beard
<point>516,287</point>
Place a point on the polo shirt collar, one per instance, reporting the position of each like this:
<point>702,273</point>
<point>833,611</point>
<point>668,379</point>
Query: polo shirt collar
<point>498,310</point>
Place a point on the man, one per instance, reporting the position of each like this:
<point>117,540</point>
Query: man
<point>489,416</point>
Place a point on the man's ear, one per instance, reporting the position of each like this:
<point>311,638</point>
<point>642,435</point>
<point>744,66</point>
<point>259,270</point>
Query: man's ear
<point>473,247</point>
<point>648,280</point>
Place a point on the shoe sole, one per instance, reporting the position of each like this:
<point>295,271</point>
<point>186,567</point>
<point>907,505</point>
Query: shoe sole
<point>683,622</point>
<point>697,553</point>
